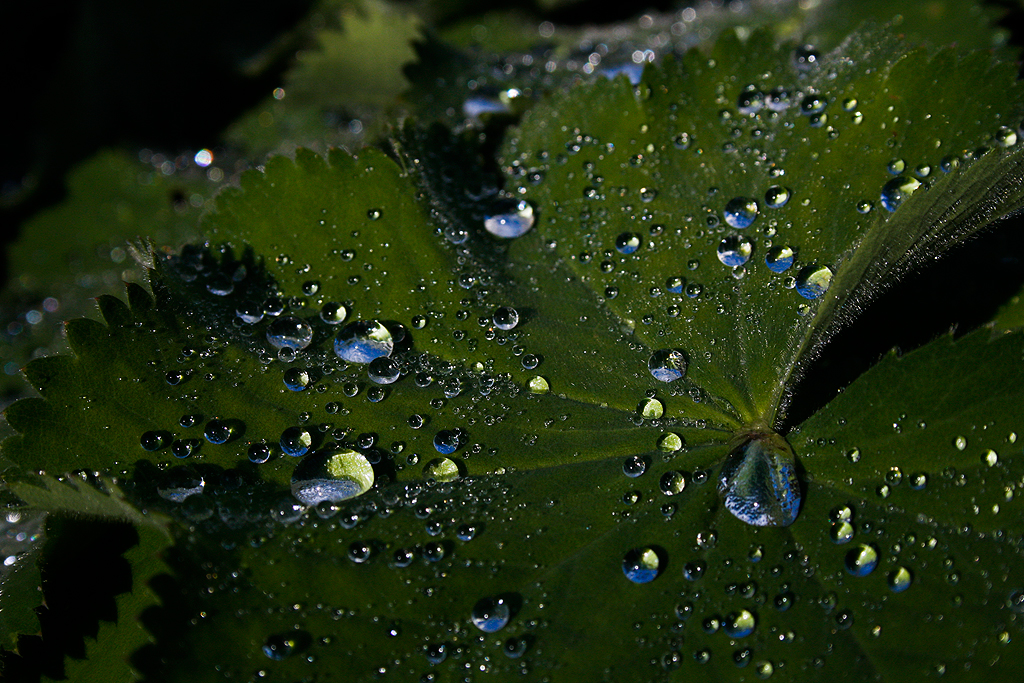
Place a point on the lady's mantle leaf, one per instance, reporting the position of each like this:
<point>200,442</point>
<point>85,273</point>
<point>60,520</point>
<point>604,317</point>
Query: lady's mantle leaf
<point>919,463</point>
<point>742,206</point>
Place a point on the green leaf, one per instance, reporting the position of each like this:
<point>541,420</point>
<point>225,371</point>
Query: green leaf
<point>565,484</point>
<point>112,199</point>
<point>601,163</point>
<point>20,592</point>
<point>923,451</point>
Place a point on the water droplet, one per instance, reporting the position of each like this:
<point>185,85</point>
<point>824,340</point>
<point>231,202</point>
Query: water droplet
<point>990,457</point>
<point>289,333</point>
<point>442,469</point>
<point>447,441</point>
<point>506,318</point>
<point>672,483</point>
<point>812,104</point>
<point>806,57</point>
<point>960,443</point>
<point>634,466</point>
<point>739,624</point>
<point>813,281</point>
<point>750,101</point>
<point>218,431</point>
<point>779,259</point>
<point>514,648</point>
<point>864,206</point>
<point>758,482</point>
<point>668,365</point>
<point>331,476</point>
<point>899,579</point>
<point>333,313</point>
<point>154,441</point>
<point>841,532</point>
<point>896,166</point>
<point>279,647</point>
<point>362,341</point>
<point>896,191</point>
<point>776,197</point>
<point>538,385</point>
<point>734,250</point>
<point>1005,137</point>
<point>777,99</point>
<point>509,218</point>
<point>740,212</point>
<point>183,448</point>
<point>530,361</point>
<point>383,370</point>
<point>651,409</point>
<point>627,242</point>
<point>249,312</point>
<point>670,442</point>
<point>491,614</point>
<point>641,565</point>
<point>861,560</point>
<point>437,652</point>
<point>296,379</point>
<point>259,453</point>
<point>681,141</point>
<point>296,441</point>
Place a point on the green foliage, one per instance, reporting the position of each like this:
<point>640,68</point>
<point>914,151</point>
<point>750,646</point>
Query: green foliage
<point>546,463</point>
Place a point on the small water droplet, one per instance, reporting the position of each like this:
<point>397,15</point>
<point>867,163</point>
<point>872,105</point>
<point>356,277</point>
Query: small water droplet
<point>491,614</point>
<point>538,385</point>
<point>897,190</point>
<point>740,212</point>
<point>333,313</point>
<point>776,197</point>
<point>249,312</point>
<point>442,470</point>
<point>154,440</point>
<point>899,579</point>
<point>634,466</point>
<point>672,483</point>
<point>447,441</point>
<point>363,340</point>
<point>739,624</point>
<point>331,476</point>
<point>668,365</point>
<point>627,242</point>
<point>506,318</point>
<point>289,333</point>
<point>509,218</point>
<point>813,281</point>
<point>779,259</point>
<point>280,647</point>
<point>296,379</point>
<point>861,560</point>
<point>734,250</point>
<point>641,565</point>
<point>218,431</point>
<point>296,441</point>
<point>383,370</point>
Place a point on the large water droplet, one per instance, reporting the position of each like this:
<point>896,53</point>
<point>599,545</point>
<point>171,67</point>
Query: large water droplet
<point>509,218</point>
<point>331,476</point>
<point>442,469</point>
<point>896,191</point>
<point>641,565</point>
<point>289,333</point>
<point>758,482</point>
<point>740,212</point>
<point>363,340</point>
<point>668,365</point>
<point>447,441</point>
<point>734,250</point>
<point>491,614</point>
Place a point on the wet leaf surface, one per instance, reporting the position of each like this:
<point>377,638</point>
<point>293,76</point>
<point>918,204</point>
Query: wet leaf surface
<point>555,381</point>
